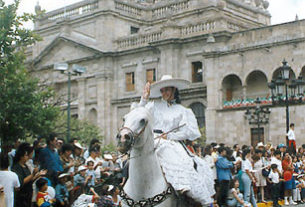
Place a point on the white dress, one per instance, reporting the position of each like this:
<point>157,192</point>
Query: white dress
<point>176,163</point>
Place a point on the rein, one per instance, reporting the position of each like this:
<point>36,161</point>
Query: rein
<point>159,198</point>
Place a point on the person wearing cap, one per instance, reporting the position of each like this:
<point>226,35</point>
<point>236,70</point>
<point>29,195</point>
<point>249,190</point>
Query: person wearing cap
<point>94,142</point>
<point>282,148</point>
<point>77,155</point>
<point>62,193</point>
<point>168,115</point>
<point>97,162</point>
<point>80,179</point>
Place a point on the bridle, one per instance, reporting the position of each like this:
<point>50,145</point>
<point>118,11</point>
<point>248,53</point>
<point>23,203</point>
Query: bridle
<point>132,136</point>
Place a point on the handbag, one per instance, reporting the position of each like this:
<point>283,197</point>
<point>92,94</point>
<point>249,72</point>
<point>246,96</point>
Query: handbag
<point>265,172</point>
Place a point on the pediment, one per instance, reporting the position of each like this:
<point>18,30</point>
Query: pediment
<point>64,50</point>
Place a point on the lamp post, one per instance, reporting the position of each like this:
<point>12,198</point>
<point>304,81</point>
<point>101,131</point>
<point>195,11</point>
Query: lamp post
<point>286,90</point>
<point>76,70</point>
<point>258,116</point>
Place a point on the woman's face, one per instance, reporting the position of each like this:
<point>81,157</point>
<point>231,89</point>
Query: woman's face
<point>68,153</point>
<point>24,158</point>
<point>287,157</point>
<point>236,184</point>
<point>168,93</point>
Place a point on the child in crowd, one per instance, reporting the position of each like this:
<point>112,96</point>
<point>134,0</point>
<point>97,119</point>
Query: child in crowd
<point>235,198</point>
<point>274,179</point>
<point>43,199</point>
<point>297,190</point>
<point>91,174</point>
<point>302,184</point>
<point>62,194</point>
<point>80,179</point>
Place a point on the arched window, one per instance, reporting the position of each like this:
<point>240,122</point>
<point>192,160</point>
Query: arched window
<point>199,111</point>
<point>93,116</point>
<point>257,85</point>
<point>277,73</point>
<point>232,88</point>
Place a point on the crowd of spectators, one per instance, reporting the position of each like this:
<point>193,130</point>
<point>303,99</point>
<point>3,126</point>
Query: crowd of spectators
<point>60,174</point>
<point>247,175</point>
<point>68,174</point>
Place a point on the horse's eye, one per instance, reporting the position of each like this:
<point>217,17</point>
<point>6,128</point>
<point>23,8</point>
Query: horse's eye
<point>142,122</point>
<point>123,119</point>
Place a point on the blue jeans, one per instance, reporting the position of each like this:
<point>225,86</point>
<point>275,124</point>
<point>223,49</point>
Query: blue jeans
<point>248,189</point>
<point>233,202</point>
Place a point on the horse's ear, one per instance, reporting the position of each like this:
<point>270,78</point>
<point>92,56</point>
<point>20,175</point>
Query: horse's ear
<point>133,106</point>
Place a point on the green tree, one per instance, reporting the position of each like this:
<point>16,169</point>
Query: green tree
<point>83,130</point>
<point>25,108</point>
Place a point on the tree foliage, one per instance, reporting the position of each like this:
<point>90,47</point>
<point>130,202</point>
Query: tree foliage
<point>83,130</point>
<point>25,109</point>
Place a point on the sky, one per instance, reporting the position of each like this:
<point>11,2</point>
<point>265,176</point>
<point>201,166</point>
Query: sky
<point>281,10</point>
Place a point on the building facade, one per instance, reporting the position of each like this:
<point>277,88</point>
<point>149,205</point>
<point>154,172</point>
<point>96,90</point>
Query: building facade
<point>227,49</point>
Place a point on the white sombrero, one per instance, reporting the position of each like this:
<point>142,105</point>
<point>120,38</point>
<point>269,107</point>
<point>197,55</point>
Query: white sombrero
<point>167,81</point>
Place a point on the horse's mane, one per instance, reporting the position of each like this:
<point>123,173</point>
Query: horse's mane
<point>135,106</point>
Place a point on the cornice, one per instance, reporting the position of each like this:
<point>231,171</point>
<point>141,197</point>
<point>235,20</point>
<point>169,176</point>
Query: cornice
<point>213,54</point>
<point>198,92</point>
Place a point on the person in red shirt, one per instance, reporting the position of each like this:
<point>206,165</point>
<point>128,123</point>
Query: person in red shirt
<point>288,177</point>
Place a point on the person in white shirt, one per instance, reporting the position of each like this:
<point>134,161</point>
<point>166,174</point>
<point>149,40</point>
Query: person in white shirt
<point>274,179</point>
<point>248,177</point>
<point>9,180</point>
<point>291,139</point>
<point>277,160</point>
<point>97,162</point>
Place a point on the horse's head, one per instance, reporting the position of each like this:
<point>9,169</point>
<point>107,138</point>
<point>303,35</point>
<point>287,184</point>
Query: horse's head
<point>136,124</point>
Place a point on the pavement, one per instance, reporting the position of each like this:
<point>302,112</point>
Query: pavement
<point>269,204</point>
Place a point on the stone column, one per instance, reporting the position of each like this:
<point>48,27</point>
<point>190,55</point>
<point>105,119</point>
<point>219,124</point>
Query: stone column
<point>104,95</point>
<point>81,98</point>
<point>212,100</point>
<point>244,91</point>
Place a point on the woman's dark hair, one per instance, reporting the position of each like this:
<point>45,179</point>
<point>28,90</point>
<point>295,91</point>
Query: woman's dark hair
<point>207,150</point>
<point>244,154</point>
<point>23,149</point>
<point>40,183</point>
<point>234,146</point>
<point>4,161</point>
<point>177,96</point>
<point>66,147</point>
<point>232,183</point>
<point>93,141</point>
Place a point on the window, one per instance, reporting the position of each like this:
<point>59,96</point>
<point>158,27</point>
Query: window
<point>196,72</point>
<point>134,30</point>
<point>130,81</point>
<point>199,111</point>
<point>151,75</point>
<point>257,135</point>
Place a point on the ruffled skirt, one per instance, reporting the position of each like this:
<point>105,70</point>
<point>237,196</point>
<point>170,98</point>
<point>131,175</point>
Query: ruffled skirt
<point>179,170</point>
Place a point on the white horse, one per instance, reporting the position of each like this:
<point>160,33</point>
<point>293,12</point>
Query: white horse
<point>146,179</point>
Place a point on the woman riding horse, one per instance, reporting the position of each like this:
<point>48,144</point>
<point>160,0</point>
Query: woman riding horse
<point>173,122</point>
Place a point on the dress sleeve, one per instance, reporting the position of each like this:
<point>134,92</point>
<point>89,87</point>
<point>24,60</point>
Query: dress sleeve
<point>189,131</point>
<point>144,103</point>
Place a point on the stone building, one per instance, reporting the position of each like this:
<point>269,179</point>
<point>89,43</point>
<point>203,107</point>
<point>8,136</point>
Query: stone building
<point>226,48</point>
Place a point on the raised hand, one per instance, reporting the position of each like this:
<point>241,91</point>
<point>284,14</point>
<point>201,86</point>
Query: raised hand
<point>146,91</point>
